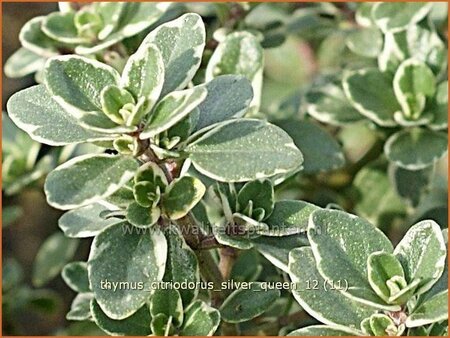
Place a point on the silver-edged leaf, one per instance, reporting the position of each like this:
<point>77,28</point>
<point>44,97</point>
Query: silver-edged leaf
<point>181,43</point>
<point>416,148</point>
<point>131,257</point>
<point>370,92</point>
<point>328,306</point>
<point>76,83</point>
<point>229,96</point>
<point>34,111</point>
<point>239,53</point>
<point>242,150</point>
<point>87,179</point>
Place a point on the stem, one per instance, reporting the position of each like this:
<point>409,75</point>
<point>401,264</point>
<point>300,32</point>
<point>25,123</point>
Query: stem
<point>227,258</point>
<point>211,273</point>
<point>209,242</point>
<point>190,231</point>
<point>208,265</point>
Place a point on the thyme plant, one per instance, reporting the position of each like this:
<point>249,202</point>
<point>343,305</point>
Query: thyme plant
<point>184,190</point>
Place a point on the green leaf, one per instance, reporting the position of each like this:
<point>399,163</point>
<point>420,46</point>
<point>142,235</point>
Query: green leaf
<point>336,240</point>
<point>328,306</point>
<point>247,266</point>
<point>181,43</point>
<point>328,104</point>
<point>110,13</point>
<point>382,267</point>
<point>131,257</point>
<point>181,196</point>
<point>246,227</point>
<point>51,258</point>
<point>377,199</point>
<point>243,305</point>
<point>288,217</point>
<point>122,197</point>
<point>381,325</point>
<point>440,107</point>
<point>18,145</point>
<point>87,179</point>
<point>404,295</point>
<point>277,251</point>
<point>135,325</point>
<point>185,127</point>
<point>416,148</point>
<point>366,42</point>
<point>80,307</point>
<point>161,325</point>
<point>126,145</point>
<point>200,320</point>
<point>147,194</point>
<point>239,53</point>
<point>322,330</point>
<point>35,112</point>
<point>181,265</point>
<point>143,75</point>
<point>370,92</point>
<point>87,23</point>
<point>433,310</point>
<point>61,27</point>
<point>442,283</point>
<point>243,150</point>
<point>76,276</point>
<point>113,101</point>
<point>35,40</point>
<point>172,109</point>
<point>259,194</point>
<point>135,18</point>
<point>414,82</point>
<point>23,62</point>
<point>395,17</point>
<point>439,329</point>
<point>229,96</point>
<point>422,42</point>
<point>422,253</point>
<point>142,217</point>
<point>320,150</point>
<point>151,172</point>
<point>76,84</point>
<point>402,178</point>
<point>234,233</point>
<point>86,221</point>
<point>167,302</point>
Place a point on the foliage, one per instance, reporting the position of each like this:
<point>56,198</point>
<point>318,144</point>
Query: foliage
<point>207,178</point>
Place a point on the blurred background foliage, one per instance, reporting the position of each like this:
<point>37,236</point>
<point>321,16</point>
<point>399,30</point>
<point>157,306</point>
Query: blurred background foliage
<point>306,45</point>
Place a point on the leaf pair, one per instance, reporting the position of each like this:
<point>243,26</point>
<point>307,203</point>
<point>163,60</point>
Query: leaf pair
<point>155,196</point>
<point>410,102</point>
<point>169,318</point>
<point>176,310</point>
<point>90,178</point>
<point>345,247</point>
<point>102,101</point>
<point>240,217</point>
<point>124,301</point>
<point>89,30</point>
